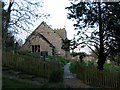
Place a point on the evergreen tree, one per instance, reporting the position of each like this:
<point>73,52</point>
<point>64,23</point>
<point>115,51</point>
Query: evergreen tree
<point>66,46</point>
<point>73,45</point>
<point>101,20</point>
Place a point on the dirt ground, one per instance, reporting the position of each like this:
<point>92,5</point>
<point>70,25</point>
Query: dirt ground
<point>75,83</point>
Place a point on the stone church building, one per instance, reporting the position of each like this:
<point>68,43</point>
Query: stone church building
<point>45,39</point>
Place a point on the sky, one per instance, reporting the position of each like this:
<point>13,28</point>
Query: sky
<point>58,18</point>
<point>58,15</point>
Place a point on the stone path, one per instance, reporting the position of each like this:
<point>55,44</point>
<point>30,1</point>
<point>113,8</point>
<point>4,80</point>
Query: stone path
<point>70,79</point>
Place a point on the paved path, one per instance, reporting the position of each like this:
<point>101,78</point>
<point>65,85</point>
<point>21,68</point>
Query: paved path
<point>67,73</point>
<point>70,79</point>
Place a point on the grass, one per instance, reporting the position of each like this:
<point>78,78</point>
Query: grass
<point>14,84</point>
<point>60,59</point>
<point>107,66</point>
<point>30,65</point>
<point>10,83</point>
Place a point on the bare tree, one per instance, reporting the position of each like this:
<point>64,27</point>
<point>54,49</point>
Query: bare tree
<point>20,15</point>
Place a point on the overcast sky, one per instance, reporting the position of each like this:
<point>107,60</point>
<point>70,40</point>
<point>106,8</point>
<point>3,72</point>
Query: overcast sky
<point>58,18</point>
<point>58,15</point>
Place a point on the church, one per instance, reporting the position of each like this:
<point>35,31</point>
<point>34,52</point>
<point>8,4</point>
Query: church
<point>45,39</point>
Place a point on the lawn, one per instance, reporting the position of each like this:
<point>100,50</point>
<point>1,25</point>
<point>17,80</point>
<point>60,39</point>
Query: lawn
<point>10,83</point>
<point>14,84</point>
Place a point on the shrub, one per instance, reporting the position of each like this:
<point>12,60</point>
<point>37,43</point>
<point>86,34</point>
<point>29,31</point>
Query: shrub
<point>73,67</point>
<point>56,76</point>
<point>30,65</point>
<point>28,53</point>
<point>90,64</point>
<point>59,59</point>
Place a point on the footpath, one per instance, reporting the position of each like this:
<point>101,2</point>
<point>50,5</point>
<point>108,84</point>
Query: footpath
<point>70,79</point>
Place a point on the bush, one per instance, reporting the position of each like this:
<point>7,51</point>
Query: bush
<point>73,67</point>
<point>90,64</point>
<point>28,53</point>
<point>59,59</point>
<point>56,76</point>
<point>30,65</point>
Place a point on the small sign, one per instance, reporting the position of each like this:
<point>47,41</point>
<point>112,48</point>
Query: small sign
<point>44,53</point>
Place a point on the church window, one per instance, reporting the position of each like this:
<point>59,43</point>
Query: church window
<point>35,48</point>
<point>38,48</point>
<point>53,51</point>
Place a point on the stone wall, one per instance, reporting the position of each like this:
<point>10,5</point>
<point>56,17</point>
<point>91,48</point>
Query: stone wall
<point>53,36</point>
<point>37,40</point>
<point>61,33</point>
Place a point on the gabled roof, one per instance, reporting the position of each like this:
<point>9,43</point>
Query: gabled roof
<point>43,23</point>
<point>45,39</point>
<point>38,34</point>
<point>35,31</point>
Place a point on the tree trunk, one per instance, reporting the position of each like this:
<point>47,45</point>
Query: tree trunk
<point>7,20</point>
<point>101,57</point>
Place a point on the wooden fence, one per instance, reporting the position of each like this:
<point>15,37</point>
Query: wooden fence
<point>30,65</point>
<point>94,77</point>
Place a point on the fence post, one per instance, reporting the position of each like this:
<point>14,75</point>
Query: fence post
<point>118,79</point>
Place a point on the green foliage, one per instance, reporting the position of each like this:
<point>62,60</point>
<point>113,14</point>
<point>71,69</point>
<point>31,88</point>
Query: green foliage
<point>80,54</point>
<point>90,64</point>
<point>56,76</point>
<point>59,59</point>
<point>107,66</point>
<point>111,68</point>
<point>115,57</point>
<point>30,65</point>
<point>104,16</point>
<point>73,66</point>
<point>10,83</point>
<point>66,44</point>
<point>28,53</point>
<point>92,76</point>
<point>73,44</point>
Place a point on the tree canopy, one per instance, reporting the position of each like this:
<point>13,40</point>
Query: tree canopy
<point>98,24</point>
